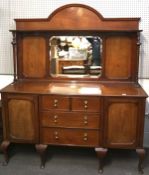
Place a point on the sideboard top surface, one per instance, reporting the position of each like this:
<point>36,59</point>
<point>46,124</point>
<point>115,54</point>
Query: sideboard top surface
<point>75,88</point>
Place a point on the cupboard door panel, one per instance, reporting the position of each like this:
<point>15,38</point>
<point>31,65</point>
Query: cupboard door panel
<point>22,118</point>
<point>123,123</point>
<point>118,57</point>
<point>34,57</point>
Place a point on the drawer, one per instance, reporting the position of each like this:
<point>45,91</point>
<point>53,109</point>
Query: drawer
<point>70,119</point>
<point>48,102</point>
<point>91,104</point>
<point>70,136</point>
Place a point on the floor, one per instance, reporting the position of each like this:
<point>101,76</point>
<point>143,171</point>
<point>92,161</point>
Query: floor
<point>70,161</point>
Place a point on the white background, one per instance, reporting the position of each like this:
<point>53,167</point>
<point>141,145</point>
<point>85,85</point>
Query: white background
<point>10,9</point>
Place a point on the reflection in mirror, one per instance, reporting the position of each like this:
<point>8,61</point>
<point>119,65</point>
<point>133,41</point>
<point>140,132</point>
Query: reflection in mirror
<point>75,56</point>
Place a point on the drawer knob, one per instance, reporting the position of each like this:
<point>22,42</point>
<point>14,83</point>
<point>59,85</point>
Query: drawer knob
<point>85,106</point>
<point>55,133</point>
<point>56,137</point>
<point>55,105</point>
<point>85,138</point>
<point>85,134</point>
<point>85,102</point>
<point>55,101</point>
<point>55,121</point>
<point>55,117</point>
<point>85,122</point>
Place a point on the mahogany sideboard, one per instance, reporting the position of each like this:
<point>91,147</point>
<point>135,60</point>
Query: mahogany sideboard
<point>101,111</point>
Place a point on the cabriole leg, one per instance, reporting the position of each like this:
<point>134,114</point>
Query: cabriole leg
<point>41,149</point>
<point>101,153</point>
<point>141,154</point>
<point>4,148</point>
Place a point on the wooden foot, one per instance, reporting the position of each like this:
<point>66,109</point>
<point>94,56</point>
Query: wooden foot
<point>4,148</point>
<point>141,154</point>
<point>41,149</point>
<point>101,153</point>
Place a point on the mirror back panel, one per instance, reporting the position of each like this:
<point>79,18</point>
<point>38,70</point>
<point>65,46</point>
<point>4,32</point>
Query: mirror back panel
<point>45,49</point>
<point>33,59</point>
<point>119,56</point>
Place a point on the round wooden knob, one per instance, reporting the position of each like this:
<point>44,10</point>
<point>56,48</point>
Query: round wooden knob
<point>85,102</point>
<point>56,137</point>
<point>55,121</point>
<point>85,134</point>
<point>85,122</point>
<point>55,101</point>
<point>55,105</point>
<point>55,117</point>
<point>55,133</point>
<point>85,138</point>
<point>85,106</point>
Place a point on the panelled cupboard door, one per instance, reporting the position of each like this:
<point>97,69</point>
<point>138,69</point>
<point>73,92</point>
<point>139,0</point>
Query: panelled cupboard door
<point>21,118</point>
<point>124,122</point>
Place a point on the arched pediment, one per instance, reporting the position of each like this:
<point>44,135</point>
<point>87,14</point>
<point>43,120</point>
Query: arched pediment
<point>77,17</point>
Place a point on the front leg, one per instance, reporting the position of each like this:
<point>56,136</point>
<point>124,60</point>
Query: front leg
<point>4,147</point>
<point>101,153</point>
<point>141,154</point>
<point>41,149</point>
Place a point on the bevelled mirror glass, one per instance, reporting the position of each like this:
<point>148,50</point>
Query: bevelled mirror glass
<point>75,56</point>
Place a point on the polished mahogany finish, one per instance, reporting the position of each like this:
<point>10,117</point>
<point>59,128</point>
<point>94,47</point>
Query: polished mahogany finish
<point>119,89</point>
<point>120,38</point>
<point>22,114</point>
<point>99,112</point>
<point>60,119</point>
<point>81,17</point>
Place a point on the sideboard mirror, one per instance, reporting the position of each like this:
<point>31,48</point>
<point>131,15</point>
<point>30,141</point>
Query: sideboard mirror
<point>75,56</point>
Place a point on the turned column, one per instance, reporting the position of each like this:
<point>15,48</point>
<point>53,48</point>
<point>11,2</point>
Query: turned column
<point>14,46</point>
